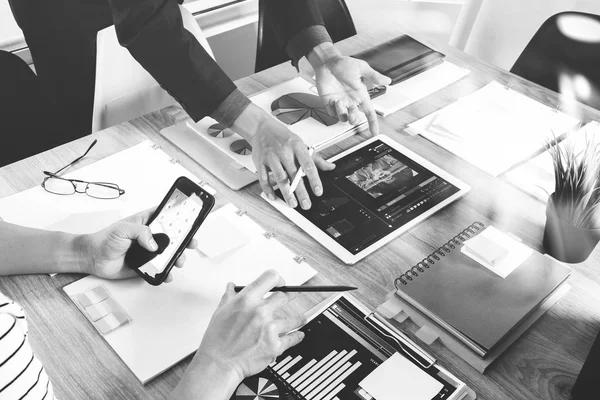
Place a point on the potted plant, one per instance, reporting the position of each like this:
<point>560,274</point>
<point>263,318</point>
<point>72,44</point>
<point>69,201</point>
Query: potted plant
<point>573,212</point>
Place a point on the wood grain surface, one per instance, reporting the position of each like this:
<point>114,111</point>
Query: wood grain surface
<point>542,364</point>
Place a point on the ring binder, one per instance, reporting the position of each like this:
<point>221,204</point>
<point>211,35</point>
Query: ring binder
<point>174,160</point>
<point>444,249</point>
<point>241,212</point>
<point>156,146</point>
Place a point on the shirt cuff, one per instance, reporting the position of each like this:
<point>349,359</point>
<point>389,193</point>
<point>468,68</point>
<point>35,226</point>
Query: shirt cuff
<point>231,108</point>
<point>306,40</point>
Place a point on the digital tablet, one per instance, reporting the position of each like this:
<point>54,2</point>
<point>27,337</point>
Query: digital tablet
<point>378,190</point>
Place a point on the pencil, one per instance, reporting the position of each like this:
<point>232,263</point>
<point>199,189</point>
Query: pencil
<point>286,289</point>
<point>300,173</point>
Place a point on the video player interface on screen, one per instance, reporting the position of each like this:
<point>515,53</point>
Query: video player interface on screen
<point>371,193</point>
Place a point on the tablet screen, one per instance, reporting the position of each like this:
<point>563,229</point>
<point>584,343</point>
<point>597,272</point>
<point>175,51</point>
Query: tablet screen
<point>372,192</point>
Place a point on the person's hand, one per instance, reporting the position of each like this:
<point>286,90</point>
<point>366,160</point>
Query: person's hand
<point>341,83</point>
<point>244,335</point>
<point>103,252</point>
<point>277,150</point>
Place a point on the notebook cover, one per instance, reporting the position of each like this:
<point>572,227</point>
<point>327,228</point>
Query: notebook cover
<point>401,58</point>
<point>478,303</point>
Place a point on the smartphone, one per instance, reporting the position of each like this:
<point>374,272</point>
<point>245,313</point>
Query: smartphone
<point>179,216</point>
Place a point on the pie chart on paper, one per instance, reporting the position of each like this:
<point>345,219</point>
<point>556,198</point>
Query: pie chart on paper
<point>241,147</point>
<point>257,388</point>
<point>295,107</point>
<point>219,131</point>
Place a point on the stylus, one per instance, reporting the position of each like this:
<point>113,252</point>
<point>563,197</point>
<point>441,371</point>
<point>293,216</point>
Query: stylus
<point>305,288</point>
<point>300,173</point>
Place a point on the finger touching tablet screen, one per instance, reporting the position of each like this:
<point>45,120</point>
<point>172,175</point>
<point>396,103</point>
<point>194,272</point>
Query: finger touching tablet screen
<point>378,190</point>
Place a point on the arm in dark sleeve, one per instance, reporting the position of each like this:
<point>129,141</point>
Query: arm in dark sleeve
<point>153,32</point>
<point>298,26</point>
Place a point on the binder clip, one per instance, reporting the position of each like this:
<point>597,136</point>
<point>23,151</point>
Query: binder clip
<point>241,212</point>
<point>300,259</point>
<point>156,146</point>
<point>270,234</point>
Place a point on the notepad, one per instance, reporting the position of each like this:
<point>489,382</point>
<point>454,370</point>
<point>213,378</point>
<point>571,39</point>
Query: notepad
<point>494,128</point>
<point>315,128</point>
<point>383,383</point>
<point>181,310</point>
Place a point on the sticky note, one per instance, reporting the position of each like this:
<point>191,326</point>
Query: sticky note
<point>390,308</point>
<point>218,236</point>
<point>426,334</point>
<point>417,384</point>
<point>515,251</point>
<point>96,311</point>
<point>92,296</point>
<point>401,317</point>
<point>111,321</point>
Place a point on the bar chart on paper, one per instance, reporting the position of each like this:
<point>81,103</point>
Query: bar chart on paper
<point>338,352</point>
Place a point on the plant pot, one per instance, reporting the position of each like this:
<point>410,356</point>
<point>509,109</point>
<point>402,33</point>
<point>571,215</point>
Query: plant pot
<point>566,242</point>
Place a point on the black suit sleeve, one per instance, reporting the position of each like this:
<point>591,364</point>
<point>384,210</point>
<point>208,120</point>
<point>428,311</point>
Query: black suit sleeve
<point>153,32</point>
<point>297,24</point>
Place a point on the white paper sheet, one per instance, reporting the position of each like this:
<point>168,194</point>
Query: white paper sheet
<point>81,223</point>
<point>145,173</point>
<point>310,130</point>
<point>398,378</point>
<point>217,235</point>
<point>494,128</point>
<point>176,315</point>
<point>422,85</point>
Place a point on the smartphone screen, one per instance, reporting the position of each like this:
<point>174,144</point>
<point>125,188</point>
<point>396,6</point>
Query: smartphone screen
<point>176,219</point>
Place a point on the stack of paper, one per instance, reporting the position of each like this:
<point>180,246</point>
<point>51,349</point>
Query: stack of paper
<point>494,128</point>
<point>304,115</point>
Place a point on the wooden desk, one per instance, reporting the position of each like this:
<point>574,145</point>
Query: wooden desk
<point>542,364</point>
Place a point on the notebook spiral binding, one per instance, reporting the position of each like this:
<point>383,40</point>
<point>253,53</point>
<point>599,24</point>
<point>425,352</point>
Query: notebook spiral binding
<point>438,254</point>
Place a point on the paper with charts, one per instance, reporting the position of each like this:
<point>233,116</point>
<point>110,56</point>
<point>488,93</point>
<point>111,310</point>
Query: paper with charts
<point>494,128</point>
<point>296,105</point>
<point>536,177</point>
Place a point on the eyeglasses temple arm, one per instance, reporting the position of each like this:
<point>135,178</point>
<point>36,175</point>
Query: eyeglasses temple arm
<point>77,159</point>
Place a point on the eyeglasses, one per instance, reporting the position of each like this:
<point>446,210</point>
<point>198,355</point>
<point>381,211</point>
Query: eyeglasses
<point>99,190</point>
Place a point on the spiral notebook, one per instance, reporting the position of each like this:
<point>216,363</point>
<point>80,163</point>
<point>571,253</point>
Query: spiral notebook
<point>472,303</point>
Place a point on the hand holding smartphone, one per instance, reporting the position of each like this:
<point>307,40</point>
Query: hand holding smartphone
<point>173,225</point>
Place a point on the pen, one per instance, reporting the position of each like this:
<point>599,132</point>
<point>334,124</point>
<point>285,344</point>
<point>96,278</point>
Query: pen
<point>300,173</point>
<point>286,289</point>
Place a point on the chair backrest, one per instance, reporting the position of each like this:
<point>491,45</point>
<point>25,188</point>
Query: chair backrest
<point>124,89</point>
<point>497,31</point>
<point>336,16</point>
<point>564,56</point>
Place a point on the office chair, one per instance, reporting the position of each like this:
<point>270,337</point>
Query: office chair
<point>30,123</point>
<point>564,56</point>
<point>338,22</point>
<point>124,90</point>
